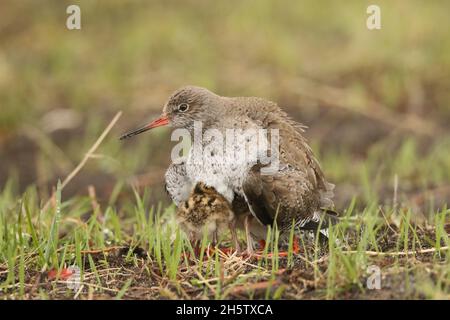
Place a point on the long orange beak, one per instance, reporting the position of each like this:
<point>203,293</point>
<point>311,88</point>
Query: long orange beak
<point>161,121</point>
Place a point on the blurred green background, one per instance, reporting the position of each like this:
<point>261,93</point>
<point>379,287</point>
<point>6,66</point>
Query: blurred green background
<point>377,102</point>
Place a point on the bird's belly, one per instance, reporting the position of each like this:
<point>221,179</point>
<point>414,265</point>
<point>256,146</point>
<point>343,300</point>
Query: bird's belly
<point>223,173</point>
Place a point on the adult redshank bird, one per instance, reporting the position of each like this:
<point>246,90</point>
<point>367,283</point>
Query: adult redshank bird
<point>296,192</point>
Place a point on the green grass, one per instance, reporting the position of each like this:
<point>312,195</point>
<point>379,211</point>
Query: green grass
<point>33,242</point>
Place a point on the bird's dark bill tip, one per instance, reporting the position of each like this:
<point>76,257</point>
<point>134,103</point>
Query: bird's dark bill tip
<point>132,133</point>
<point>126,136</point>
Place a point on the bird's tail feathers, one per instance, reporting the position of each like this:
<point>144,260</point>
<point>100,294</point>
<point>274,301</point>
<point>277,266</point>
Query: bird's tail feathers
<point>321,221</point>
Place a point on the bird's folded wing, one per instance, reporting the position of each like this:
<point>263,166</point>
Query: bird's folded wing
<point>294,149</point>
<point>285,196</point>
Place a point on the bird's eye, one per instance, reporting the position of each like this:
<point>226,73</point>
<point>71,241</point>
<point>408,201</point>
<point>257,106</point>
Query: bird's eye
<point>183,107</point>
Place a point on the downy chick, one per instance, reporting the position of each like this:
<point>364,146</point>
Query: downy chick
<point>208,211</point>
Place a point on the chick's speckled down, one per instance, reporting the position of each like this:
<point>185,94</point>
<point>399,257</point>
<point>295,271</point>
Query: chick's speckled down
<point>206,210</point>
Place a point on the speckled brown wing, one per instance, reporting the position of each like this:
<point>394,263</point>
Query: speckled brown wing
<point>294,149</point>
<point>298,190</point>
<point>286,196</point>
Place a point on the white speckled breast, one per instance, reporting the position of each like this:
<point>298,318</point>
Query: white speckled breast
<point>223,166</point>
<point>221,161</point>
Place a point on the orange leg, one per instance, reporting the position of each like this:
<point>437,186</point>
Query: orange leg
<point>281,254</point>
<point>295,249</point>
<point>295,245</point>
<point>262,244</point>
<point>258,255</point>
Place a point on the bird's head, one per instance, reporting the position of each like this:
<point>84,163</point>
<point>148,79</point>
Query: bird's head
<point>184,107</point>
